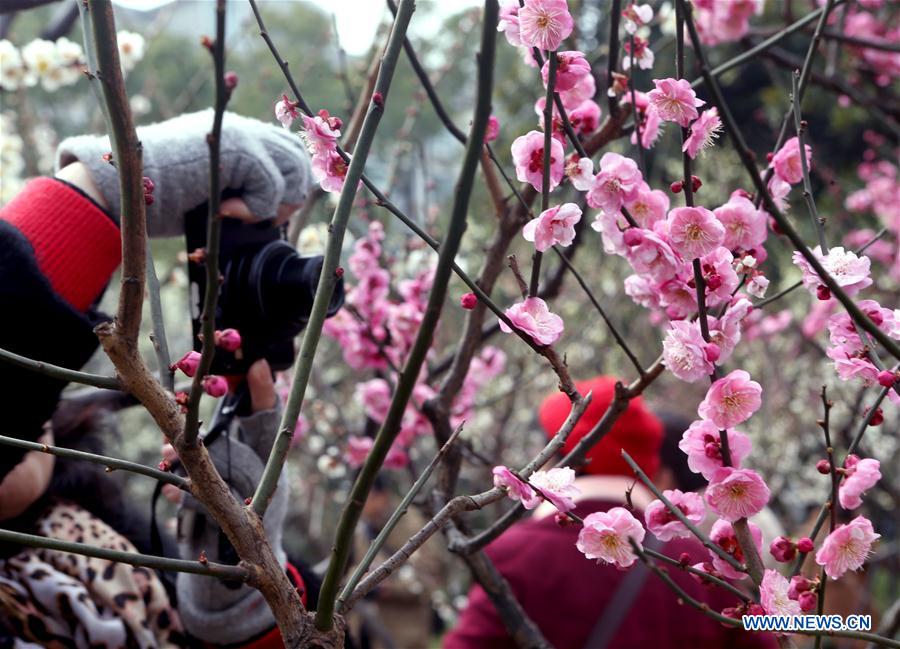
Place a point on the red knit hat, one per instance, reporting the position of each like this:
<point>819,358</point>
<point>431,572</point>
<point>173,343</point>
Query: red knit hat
<point>637,430</point>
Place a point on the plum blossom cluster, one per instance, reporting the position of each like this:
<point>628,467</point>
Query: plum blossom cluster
<point>879,197</point>
<point>724,22</point>
<point>862,22</point>
<point>376,330</point>
<point>59,63</point>
<point>214,385</point>
<point>320,134</point>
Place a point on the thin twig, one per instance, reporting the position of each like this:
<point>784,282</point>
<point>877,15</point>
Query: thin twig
<point>704,576</point>
<point>158,335</point>
<point>110,463</point>
<point>612,54</point>
<point>391,523</point>
<point>677,513</point>
<point>213,233</point>
<point>553,62</point>
<point>800,125</point>
<point>825,424</point>
<point>221,571</point>
<point>62,373</point>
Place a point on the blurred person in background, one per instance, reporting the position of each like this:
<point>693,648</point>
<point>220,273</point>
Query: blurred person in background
<point>581,604</point>
<point>398,614</point>
<point>59,246</point>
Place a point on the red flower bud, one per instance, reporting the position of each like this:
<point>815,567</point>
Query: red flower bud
<point>696,183</point>
<point>164,466</point>
<point>339,272</point>
<point>108,157</point>
<point>231,80</point>
<point>378,99</point>
<point>187,363</point>
<point>805,545</point>
<point>877,418</point>
<point>684,559</point>
<point>823,467</point>
<point>783,549</point>
<point>823,293</point>
<point>886,378</point>
<point>215,386</point>
<point>677,186</point>
<point>248,500</point>
<point>228,339</point>
<point>207,42</point>
<point>808,601</point>
<point>202,558</point>
<point>468,301</point>
<point>712,353</point>
<point>769,156</point>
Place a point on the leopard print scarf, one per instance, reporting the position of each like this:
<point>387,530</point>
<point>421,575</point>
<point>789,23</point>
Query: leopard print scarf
<point>61,600</point>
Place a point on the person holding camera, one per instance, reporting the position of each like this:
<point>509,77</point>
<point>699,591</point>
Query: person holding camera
<point>59,246</point>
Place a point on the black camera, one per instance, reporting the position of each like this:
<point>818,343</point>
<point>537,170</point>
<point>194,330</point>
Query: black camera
<point>266,293</point>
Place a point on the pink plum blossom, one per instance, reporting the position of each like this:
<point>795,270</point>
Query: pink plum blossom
<point>286,111</point>
<point>787,164</point>
<point>535,319</point>
<point>702,445</point>
<point>704,131</point>
<point>357,450</point>
<point>215,386</point>
<point>719,276</point>
<point>493,129</point>
<point>859,477</point>
<point>528,155</point>
<point>618,181</point>
<point>188,363</point>
<point>509,23</point>
<point>773,595</point>
<point>736,493</point>
<point>675,101</point>
<point>515,488</point>
<point>648,207</point>
<point>724,22</point>
<point>649,254</point>
<point>745,225</point>
<point>849,271</point>
<point>544,24</point>
<point>636,15</point>
<point>329,170</point>
<point>685,353</point>
<point>758,285</point>
<point>731,400</point>
<point>581,173</point>
<point>694,231</point>
<point>571,69</point>
<point>557,486</point>
<point>605,537</point>
<point>375,396</point>
<point>847,547</point>
<point>663,523</point>
<point>321,133</point>
<point>642,54</point>
<point>396,457</point>
<point>722,534</point>
<point>554,226</point>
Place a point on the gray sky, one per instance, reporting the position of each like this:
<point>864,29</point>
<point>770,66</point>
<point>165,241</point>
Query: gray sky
<point>357,20</point>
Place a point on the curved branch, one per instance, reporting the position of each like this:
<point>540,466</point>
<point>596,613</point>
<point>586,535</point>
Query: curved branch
<point>110,463</point>
<point>222,571</point>
<point>62,373</point>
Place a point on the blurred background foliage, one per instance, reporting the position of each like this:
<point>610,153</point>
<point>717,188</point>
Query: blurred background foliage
<point>417,161</point>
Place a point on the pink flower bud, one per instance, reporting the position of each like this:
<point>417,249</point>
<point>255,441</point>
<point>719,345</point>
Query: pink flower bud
<point>823,467</point>
<point>677,186</point>
<point>805,545</point>
<point>164,465</point>
<point>108,158</point>
<point>228,339</point>
<point>684,559</point>
<point>783,549</point>
<point>188,363</point>
<point>632,237</point>
<point>215,386</point>
<point>823,293</point>
<point>468,301</point>
<point>493,129</point>
<point>231,80</point>
<point>808,601</point>
<point>696,183</point>
<point>886,378</point>
<point>378,99</point>
<point>248,500</point>
<point>339,272</point>
<point>799,584</point>
<point>712,352</point>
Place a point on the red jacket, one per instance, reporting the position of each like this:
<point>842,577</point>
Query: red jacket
<point>566,594</point>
